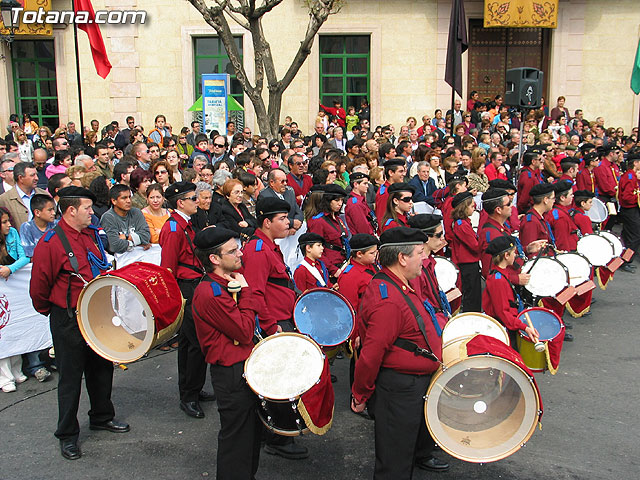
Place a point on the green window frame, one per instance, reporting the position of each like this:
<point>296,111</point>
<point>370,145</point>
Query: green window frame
<point>210,56</point>
<point>34,81</point>
<point>345,69</point>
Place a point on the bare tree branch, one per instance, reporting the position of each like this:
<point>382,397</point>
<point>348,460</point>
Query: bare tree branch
<point>267,6</point>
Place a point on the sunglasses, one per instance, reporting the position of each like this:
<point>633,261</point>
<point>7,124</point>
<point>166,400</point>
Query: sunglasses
<point>435,235</point>
<point>300,164</point>
<point>218,145</point>
<point>161,172</point>
<point>332,171</point>
<point>406,199</point>
<point>193,199</point>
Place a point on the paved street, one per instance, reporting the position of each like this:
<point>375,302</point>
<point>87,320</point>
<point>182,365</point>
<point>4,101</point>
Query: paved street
<point>589,423</point>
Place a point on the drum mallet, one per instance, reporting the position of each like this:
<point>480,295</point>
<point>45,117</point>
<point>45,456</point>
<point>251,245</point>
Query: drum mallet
<point>539,346</point>
<point>234,287</point>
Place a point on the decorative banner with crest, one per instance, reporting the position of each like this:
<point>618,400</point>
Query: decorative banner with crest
<point>521,13</point>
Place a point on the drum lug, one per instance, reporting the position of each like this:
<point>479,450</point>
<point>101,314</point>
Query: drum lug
<point>425,398</point>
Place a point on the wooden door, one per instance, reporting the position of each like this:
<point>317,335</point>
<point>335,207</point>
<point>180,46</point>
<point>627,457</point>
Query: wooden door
<point>493,51</point>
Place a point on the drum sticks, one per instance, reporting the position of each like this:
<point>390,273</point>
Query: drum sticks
<point>539,346</point>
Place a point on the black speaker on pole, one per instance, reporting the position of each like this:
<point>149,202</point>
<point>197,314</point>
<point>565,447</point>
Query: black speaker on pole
<point>523,87</point>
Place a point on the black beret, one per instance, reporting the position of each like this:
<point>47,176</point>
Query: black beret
<point>502,184</point>
<point>213,237</point>
<point>611,147</point>
<point>76,192</point>
<point>363,241</point>
<point>310,238</point>
<point>427,222</point>
<point>270,206</point>
<point>583,194</point>
<point>394,162</point>
<point>591,156</point>
<point>179,188</point>
<point>334,190</point>
<point>402,236</point>
<point>587,146</point>
<point>632,157</point>
<point>541,189</point>
<point>537,149</point>
<point>494,194</point>
<point>500,244</point>
<point>562,186</point>
<point>401,187</point>
<point>354,177</point>
<point>317,188</point>
<point>460,197</point>
<point>566,160</point>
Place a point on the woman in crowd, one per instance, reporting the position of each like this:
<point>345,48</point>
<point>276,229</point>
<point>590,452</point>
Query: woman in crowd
<point>12,258</point>
<point>61,161</point>
<point>235,214</point>
<point>29,127</point>
<point>99,187</point>
<point>90,143</point>
<point>139,181</point>
<point>435,172</point>
<point>330,167</point>
<point>154,213</point>
<point>43,134</point>
<point>173,160</point>
<point>25,146</point>
<point>162,174</point>
<point>399,205</point>
<point>274,153</point>
<point>250,184</point>
<point>342,176</point>
<point>76,173</point>
<point>478,181</point>
<point>184,149</point>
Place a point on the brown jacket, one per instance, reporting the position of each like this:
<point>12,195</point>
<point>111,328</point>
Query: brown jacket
<point>12,202</point>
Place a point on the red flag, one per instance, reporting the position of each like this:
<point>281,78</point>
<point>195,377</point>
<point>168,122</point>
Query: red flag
<point>98,50</point>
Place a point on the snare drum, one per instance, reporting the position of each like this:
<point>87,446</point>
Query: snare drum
<point>466,325</point>
<point>598,249</point>
<point>446,273</point>
<point>324,315</point>
<point>548,277</point>
<point>126,312</point>
<point>618,247</point>
<point>578,266</point>
<point>280,369</point>
<point>484,405</point>
<point>598,213</point>
<point>550,328</point>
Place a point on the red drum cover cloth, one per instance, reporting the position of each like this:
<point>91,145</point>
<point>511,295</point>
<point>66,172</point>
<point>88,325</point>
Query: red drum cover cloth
<point>159,288</point>
<point>316,404</point>
<point>482,344</point>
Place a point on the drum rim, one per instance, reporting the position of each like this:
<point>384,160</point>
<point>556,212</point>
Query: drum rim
<point>271,337</point>
<point>613,250</point>
<point>579,255</point>
<point>477,314</point>
<point>597,201</point>
<point>546,310</point>
<point>475,358</point>
<point>566,271</point>
<point>92,340</point>
<point>280,431</point>
<point>339,295</point>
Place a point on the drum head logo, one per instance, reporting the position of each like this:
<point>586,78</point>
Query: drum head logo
<point>5,313</point>
<point>153,280</point>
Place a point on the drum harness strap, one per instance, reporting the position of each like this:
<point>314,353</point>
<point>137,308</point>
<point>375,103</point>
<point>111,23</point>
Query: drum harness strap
<point>403,343</point>
<point>96,263</point>
<point>443,303</point>
<point>346,248</point>
<point>545,225</point>
<point>200,270</point>
<point>520,304</point>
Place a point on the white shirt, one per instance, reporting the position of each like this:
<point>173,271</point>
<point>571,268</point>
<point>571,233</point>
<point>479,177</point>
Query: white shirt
<point>26,200</point>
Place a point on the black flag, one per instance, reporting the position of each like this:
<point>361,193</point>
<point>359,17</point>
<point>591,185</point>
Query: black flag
<point>456,46</point>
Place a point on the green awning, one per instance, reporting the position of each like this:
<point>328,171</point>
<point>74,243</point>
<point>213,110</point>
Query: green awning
<point>233,104</point>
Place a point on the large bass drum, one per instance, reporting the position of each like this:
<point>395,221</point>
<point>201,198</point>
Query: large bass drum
<point>484,405</point>
<point>126,312</point>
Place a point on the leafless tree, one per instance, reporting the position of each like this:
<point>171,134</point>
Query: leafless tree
<point>248,14</point>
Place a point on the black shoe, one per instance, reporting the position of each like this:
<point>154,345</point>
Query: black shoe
<point>568,337</point>
<point>206,396</point>
<point>334,379</point>
<point>69,449</point>
<point>111,426</point>
<point>568,325</point>
<point>628,268</point>
<point>593,300</point>
<point>433,464</point>
<point>291,451</point>
<point>192,409</point>
<point>362,414</point>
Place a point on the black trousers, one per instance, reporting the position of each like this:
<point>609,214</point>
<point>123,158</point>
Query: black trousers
<point>240,428</point>
<point>471,284</point>
<point>630,227</point>
<point>75,358</point>
<point>401,435</point>
<point>192,368</point>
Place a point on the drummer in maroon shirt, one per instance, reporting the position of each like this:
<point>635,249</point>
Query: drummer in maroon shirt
<point>225,325</point>
<point>400,351</point>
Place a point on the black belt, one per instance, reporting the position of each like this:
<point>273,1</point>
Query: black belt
<point>190,267</point>
<point>188,280</point>
<point>334,248</point>
<point>410,346</point>
<point>281,282</point>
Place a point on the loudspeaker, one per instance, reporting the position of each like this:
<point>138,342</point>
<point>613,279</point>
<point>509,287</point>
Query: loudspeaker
<point>523,87</point>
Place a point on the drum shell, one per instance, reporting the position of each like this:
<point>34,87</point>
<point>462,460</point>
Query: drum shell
<point>605,245</point>
<point>282,418</point>
<point>562,280</point>
<point>457,328</point>
<point>95,311</point>
<point>536,361</point>
<point>329,334</point>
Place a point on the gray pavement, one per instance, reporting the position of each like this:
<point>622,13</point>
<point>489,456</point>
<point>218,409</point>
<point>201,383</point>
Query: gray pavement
<point>590,420</point>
